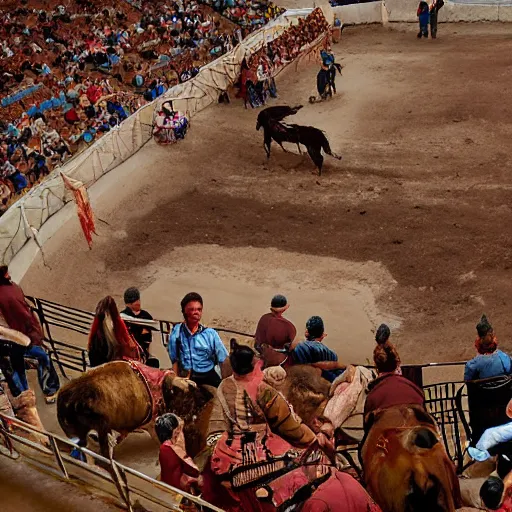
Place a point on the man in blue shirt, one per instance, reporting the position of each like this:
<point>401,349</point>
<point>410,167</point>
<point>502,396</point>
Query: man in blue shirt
<point>313,352</point>
<point>194,349</point>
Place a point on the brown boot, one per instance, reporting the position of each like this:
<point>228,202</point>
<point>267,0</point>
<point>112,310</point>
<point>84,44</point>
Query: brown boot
<point>5,404</point>
<point>24,406</point>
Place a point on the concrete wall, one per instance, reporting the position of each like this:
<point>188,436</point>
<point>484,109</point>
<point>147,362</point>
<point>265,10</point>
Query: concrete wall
<point>405,11</point>
<point>359,14</point>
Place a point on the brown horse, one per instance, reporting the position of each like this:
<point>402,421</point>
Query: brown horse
<point>114,397</point>
<point>406,467</point>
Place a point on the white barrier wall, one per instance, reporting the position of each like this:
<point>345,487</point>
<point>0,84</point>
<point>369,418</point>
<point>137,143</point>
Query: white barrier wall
<point>359,14</point>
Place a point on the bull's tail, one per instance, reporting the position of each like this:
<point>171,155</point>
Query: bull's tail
<point>327,148</point>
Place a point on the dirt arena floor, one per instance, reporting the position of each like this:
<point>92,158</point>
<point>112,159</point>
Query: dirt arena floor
<point>412,227</point>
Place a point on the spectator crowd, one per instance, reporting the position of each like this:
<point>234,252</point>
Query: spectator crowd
<point>69,73</point>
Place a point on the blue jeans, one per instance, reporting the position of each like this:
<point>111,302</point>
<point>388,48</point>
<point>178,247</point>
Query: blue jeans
<point>12,364</point>
<point>46,374</point>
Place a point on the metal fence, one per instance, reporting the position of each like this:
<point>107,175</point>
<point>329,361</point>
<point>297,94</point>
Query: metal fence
<point>440,397</point>
<point>127,485</point>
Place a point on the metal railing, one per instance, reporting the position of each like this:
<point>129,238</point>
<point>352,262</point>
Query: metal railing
<point>440,397</point>
<point>130,485</point>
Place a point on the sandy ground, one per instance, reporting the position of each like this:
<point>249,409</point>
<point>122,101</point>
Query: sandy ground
<point>411,227</point>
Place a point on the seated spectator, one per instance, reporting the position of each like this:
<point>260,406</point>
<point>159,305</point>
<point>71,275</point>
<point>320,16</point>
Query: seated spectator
<point>491,438</point>
<point>109,339</point>
<point>390,388</point>
<point>313,352</point>
<point>490,361</point>
<point>273,329</point>
<point>142,335</point>
<point>176,467</point>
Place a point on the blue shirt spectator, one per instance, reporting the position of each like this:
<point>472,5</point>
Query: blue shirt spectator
<point>485,366</point>
<point>490,362</point>
<point>312,351</point>
<point>195,350</point>
<point>199,352</point>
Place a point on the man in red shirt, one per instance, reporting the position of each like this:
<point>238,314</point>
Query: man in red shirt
<point>273,329</point>
<point>18,315</point>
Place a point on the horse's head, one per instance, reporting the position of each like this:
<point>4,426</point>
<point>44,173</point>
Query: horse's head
<point>406,466</point>
<point>262,118</point>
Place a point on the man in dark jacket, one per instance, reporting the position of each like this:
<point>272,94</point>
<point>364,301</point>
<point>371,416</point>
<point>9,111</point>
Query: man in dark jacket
<point>18,315</point>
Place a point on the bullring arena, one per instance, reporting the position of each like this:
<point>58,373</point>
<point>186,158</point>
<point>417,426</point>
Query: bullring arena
<point>410,228</point>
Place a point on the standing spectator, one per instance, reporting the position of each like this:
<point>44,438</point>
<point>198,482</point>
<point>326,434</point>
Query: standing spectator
<point>490,361</point>
<point>194,349</point>
<point>423,18</point>
<point>434,9</point>
<point>18,316</point>
<point>313,352</point>
<point>142,334</point>
<point>273,329</point>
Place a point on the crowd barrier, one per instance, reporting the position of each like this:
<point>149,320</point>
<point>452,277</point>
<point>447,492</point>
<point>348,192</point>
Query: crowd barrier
<point>24,219</point>
<point>58,321</point>
<point>129,486</point>
<point>384,11</point>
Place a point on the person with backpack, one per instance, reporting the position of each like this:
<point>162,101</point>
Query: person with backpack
<point>195,350</point>
<point>423,18</point>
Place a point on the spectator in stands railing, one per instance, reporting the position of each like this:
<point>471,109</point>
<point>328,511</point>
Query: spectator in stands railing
<point>18,315</point>
<point>142,335</point>
<point>195,350</point>
<point>490,361</point>
<point>313,352</point>
<point>390,388</point>
<point>273,329</point>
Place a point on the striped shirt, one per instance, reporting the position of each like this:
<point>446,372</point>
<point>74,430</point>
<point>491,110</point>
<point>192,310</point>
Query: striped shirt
<point>310,352</point>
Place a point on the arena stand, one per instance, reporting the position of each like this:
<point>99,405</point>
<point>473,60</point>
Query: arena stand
<point>446,401</point>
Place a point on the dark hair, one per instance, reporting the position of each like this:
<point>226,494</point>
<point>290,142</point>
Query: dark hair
<point>491,492</point>
<point>241,358</point>
<point>190,297</point>
<point>131,295</point>
<point>315,327</point>
<point>165,425</point>
<point>383,333</point>
<point>483,327</point>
